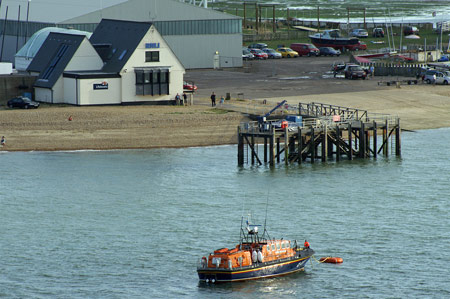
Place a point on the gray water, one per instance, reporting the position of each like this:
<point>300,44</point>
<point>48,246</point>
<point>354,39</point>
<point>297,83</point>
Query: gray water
<point>132,224</point>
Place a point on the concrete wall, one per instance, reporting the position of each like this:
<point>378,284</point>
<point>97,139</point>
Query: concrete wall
<point>228,45</point>
<point>14,85</point>
<point>43,94</point>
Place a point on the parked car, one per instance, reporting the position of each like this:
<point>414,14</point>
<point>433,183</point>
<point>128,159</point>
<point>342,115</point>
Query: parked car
<point>354,71</point>
<point>408,30</point>
<point>287,52</point>
<point>443,58</point>
<point>428,77</point>
<point>247,55</point>
<point>442,78</point>
<point>305,49</point>
<point>258,46</point>
<point>189,86</point>
<point>378,32</point>
<point>359,46</point>
<point>259,54</point>
<point>22,102</point>
<point>359,33</point>
<point>272,53</point>
<point>329,51</point>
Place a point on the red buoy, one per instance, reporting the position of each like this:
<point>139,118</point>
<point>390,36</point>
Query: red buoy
<point>331,260</point>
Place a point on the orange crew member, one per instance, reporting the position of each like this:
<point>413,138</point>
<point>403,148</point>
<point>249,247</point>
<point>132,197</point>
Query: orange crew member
<point>306,245</point>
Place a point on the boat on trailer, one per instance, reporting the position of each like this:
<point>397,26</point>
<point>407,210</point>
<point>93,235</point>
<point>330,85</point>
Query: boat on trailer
<point>332,38</point>
<point>254,257</point>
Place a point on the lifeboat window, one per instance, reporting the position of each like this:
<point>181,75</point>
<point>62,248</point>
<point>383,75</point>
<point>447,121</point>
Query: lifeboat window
<point>278,246</point>
<point>273,246</point>
<point>268,247</point>
<point>282,245</point>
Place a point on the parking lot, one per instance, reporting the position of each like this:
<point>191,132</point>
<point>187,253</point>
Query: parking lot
<point>260,79</point>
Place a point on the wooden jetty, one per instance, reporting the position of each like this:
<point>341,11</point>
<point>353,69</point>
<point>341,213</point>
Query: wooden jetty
<point>326,131</point>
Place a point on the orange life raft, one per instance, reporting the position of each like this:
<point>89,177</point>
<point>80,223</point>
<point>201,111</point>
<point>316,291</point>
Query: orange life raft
<point>331,260</point>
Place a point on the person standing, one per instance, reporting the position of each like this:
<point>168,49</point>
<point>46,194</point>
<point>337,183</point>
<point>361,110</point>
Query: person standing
<point>213,99</point>
<point>184,99</point>
<point>434,79</point>
<point>306,245</point>
<point>372,70</point>
<point>177,99</point>
<point>3,141</point>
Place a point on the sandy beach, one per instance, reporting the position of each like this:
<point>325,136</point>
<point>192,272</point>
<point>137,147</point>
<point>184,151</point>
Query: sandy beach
<point>139,127</point>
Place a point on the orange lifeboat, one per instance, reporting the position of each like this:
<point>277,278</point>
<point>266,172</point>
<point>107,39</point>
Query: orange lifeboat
<point>331,260</point>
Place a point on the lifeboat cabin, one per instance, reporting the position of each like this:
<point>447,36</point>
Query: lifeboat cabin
<point>254,257</point>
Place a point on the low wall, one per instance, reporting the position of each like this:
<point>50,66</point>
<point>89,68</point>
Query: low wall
<point>14,85</point>
<point>391,69</point>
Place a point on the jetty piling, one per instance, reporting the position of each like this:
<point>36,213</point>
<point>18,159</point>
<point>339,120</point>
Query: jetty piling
<point>321,135</point>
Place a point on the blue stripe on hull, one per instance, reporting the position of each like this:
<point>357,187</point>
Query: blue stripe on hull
<point>264,272</point>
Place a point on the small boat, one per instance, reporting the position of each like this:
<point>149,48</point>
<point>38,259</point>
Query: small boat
<point>254,257</point>
<point>331,260</point>
<point>332,38</point>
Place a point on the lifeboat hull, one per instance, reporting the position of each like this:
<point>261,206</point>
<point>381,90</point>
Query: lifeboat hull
<point>260,270</point>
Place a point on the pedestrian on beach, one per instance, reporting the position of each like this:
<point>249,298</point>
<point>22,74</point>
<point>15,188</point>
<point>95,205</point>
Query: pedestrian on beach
<point>3,141</point>
<point>434,79</point>
<point>178,99</point>
<point>222,100</point>
<point>372,71</point>
<point>213,99</point>
<point>184,99</point>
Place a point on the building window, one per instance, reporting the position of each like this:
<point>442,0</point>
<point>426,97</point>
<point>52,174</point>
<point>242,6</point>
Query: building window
<point>152,82</point>
<point>151,56</point>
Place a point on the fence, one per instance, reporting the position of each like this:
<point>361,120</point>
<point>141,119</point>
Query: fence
<point>391,69</point>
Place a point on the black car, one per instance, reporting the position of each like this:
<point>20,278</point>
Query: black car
<point>329,51</point>
<point>378,32</point>
<point>22,102</point>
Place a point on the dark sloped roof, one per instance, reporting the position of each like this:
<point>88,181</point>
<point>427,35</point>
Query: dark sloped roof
<point>53,57</point>
<point>116,40</point>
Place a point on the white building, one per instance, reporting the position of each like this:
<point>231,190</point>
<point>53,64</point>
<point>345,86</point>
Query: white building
<point>123,62</point>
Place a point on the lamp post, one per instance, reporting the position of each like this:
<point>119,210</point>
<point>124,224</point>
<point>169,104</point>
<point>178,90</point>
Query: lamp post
<point>26,28</point>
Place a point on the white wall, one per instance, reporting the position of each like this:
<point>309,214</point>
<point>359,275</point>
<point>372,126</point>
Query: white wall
<point>58,91</point>
<point>89,96</point>
<point>166,59</point>
<point>85,58</point>
<point>71,91</point>
<point>43,94</point>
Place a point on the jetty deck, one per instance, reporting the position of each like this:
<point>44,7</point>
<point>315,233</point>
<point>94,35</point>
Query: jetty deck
<point>326,132</point>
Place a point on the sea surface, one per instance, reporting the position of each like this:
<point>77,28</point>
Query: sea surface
<point>134,223</point>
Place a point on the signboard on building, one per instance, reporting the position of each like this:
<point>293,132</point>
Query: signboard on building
<point>152,45</point>
<point>103,85</point>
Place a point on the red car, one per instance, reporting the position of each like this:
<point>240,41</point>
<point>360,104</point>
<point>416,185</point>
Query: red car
<point>259,54</point>
<point>189,86</point>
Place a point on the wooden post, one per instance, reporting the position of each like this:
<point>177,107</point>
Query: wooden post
<point>375,139</point>
<point>245,15</point>
<point>273,19</point>
<point>300,146</point>
<point>338,147</point>
<point>253,148</point>
<point>278,149</point>
<point>240,148</point>
<point>350,155</point>
<point>265,149</point>
<point>286,146</point>
<point>362,142</point>
<point>386,138</point>
<point>312,146</point>
<point>324,144</point>
<point>288,22</point>
<point>398,145</point>
<point>256,18</point>
<point>271,147</point>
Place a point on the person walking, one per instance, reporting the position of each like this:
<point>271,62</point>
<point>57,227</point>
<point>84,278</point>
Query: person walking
<point>3,141</point>
<point>372,71</point>
<point>434,79</point>
<point>213,99</point>
<point>178,99</point>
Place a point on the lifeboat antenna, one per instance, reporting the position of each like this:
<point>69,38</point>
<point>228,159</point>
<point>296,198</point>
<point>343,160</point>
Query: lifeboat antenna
<point>265,219</point>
